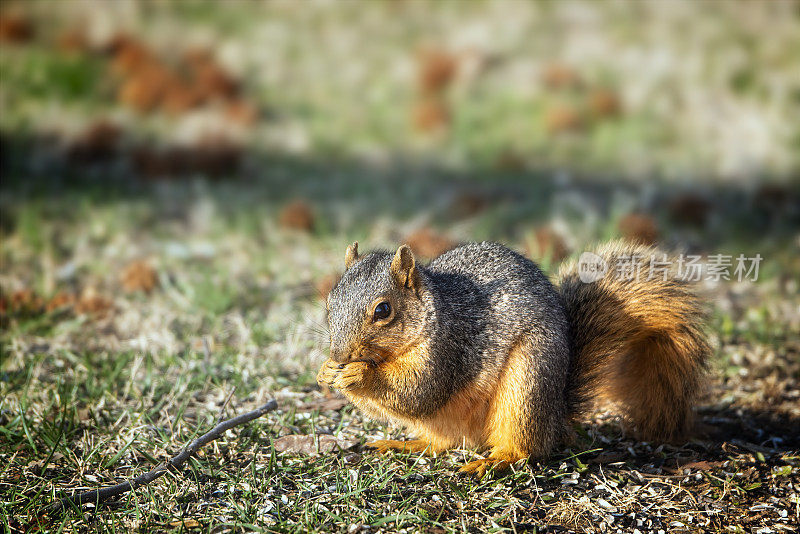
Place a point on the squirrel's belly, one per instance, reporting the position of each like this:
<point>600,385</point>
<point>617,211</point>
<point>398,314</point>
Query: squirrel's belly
<point>461,422</point>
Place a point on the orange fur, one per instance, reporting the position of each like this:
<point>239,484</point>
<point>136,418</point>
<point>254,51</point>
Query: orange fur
<point>460,422</point>
<point>501,430</point>
<point>639,343</point>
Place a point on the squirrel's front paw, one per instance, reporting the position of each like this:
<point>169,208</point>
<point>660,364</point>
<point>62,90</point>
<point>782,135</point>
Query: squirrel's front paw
<point>352,376</point>
<point>344,377</point>
<point>328,373</point>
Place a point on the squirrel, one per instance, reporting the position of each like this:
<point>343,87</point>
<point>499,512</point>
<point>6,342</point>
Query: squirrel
<point>479,349</point>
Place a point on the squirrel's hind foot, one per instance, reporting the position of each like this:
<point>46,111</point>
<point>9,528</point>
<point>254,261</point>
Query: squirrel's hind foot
<point>497,462</point>
<point>414,445</point>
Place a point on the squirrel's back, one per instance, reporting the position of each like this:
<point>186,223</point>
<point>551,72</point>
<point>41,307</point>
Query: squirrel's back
<point>516,293</point>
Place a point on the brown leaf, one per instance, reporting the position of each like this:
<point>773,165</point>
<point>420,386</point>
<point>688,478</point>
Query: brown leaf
<point>469,203</point>
<point>324,285</point>
<point>563,118</point>
<point>547,243</point>
<point>437,68</point>
<point>604,103</point>
<point>310,445</point>
<point>690,209</point>
<point>22,302</point>
<point>214,82</point>
<point>427,243</point>
<point>180,97</point>
<point>145,89</point>
<point>559,75</point>
<point>139,275</point>
<point>297,215</point>
<point>212,156</point>
<point>702,465</point>
<point>73,41</point>
<point>638,228</point>
<point>242,112</point>
<point>431,115</point>
<point>130,55</point>
<point>333,404</point>
<point>15,28</point>
<point>62,299</point>
<point>99,141</point>
<point>92,303</point>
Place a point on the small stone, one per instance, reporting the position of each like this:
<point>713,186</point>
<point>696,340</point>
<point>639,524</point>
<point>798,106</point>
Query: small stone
<point>352,458</point>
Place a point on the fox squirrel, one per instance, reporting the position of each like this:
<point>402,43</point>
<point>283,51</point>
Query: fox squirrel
<point>479,348</point>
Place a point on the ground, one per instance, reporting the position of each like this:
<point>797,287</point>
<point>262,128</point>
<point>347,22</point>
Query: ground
<point>149,290</point>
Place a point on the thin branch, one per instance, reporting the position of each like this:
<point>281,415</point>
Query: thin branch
<point>99,495</point>
<point>225,405</point>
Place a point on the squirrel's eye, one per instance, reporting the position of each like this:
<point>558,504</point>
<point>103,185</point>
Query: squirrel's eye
<point>382,311</point>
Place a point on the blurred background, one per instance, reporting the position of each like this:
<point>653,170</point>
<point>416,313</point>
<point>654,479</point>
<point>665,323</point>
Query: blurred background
<point>181,178</point>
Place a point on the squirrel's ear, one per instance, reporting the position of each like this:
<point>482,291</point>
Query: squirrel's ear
<point>403,267</point>
<point>351,255</point>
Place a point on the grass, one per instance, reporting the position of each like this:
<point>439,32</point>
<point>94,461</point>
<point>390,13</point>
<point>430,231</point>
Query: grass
<point>90,399</point>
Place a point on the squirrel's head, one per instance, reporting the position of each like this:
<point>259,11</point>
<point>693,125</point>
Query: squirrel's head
<point>377,309</point>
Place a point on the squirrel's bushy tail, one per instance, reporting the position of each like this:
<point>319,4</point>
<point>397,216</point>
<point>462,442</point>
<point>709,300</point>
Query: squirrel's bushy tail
<point>638,341</point>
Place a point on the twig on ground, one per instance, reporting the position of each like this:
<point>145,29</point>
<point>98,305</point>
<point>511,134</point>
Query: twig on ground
<point>99,495</point>
<point>225,405</point>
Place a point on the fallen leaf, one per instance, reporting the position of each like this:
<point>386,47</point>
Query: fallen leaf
<point>604,103</point>
<point>15,28</point>
<point>702,465</point>
<point>145,89</point>
<point>309,444</point>
<point>547,243</point>
<point>242,112</point>
<point>297,215</point>
<point>92,303</point>
<point>563,118</point>
<point>638,228</point>
<point>469,203</point>
<point>22,302</point>
<point>558,75</point>
<point>324,285</point>
<point>333,404</point>
<point>130,55</point>
<point>431,115</point>
<point>139,275</point>
<point>179,98</point>
<point>61,300</point>
<point>98,142</point>
<point>427,243</point>
<point>73,41</point>
<point>437,68</point>
<point>690,209</point>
